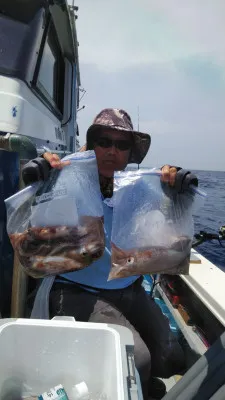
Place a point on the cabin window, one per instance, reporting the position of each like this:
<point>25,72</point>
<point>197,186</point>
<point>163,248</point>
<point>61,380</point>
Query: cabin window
<point>21,27</point>
<point>51,75</point>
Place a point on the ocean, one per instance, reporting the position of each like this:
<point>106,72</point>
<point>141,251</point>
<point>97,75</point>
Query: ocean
<point>211,215</point>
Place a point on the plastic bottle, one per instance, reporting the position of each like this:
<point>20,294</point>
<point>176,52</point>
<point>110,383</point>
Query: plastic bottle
<point>56,393</point>
<point>79,392</point>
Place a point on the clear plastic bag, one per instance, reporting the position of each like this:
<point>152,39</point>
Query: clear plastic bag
<point>152,229</point>
<point>57,226</point>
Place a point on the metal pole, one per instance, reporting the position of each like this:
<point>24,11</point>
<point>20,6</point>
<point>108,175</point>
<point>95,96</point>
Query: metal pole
<point>138,124</point>
<point>20,281</point>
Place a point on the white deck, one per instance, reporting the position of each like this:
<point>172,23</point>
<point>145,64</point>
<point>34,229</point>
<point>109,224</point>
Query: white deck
<point>208,282</point>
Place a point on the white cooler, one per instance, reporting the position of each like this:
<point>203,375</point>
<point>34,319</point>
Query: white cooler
<point>36,355</point>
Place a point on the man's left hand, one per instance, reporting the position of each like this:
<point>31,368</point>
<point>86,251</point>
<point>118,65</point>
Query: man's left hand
<point>169,174</point>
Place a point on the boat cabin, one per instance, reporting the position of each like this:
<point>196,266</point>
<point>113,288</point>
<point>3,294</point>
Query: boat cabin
<point>39,98</point>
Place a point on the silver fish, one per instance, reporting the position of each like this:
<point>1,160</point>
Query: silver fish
<point>155,259</point>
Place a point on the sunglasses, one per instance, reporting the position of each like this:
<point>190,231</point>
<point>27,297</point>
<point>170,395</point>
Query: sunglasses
<point>119,144</point>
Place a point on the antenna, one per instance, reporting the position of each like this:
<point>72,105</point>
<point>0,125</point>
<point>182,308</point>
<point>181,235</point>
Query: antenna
<point>138,123</point>
<point>138,118</point>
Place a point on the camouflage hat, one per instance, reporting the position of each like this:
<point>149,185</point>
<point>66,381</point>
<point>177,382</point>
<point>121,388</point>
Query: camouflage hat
<point>119,120</point>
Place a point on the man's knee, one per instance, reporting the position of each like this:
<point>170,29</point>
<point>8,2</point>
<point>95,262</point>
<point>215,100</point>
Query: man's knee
<point>104,312</point>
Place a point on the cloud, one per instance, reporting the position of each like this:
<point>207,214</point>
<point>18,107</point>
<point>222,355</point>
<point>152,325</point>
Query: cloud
<point>186,124</point>
<point>200,23</point>
<point>168,58</point>
<point>122,34</point>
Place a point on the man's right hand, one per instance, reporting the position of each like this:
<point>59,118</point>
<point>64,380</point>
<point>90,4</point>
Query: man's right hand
<point>39,168</point>
<point>54,160</point>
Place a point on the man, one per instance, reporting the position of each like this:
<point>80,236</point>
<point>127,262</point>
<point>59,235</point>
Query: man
<point>86,294</point>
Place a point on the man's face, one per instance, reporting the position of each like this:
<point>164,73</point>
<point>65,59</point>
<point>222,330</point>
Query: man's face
<point>112,150</point>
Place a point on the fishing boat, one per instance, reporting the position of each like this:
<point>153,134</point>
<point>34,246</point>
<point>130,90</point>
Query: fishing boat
<point>39,99</point>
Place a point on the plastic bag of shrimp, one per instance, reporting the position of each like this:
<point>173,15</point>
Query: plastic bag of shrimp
<point>56,226</point>
<point>153,227</point>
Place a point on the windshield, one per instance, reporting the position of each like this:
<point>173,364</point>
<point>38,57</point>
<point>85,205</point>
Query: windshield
<point>12,36</point>
<point>20,10</point>
<point>17,29</point>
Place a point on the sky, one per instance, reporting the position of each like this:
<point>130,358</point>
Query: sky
<point>165,58</point>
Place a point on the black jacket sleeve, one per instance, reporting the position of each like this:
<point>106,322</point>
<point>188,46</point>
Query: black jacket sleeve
<point>178,199</point>
<point>184,179</point>
<point>36,170</point>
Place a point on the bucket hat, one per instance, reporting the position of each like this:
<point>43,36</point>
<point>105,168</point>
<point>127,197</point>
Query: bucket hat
<point>119,120</point>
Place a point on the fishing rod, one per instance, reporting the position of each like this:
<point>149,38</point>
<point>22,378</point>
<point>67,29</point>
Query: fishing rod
<point>203,236</point>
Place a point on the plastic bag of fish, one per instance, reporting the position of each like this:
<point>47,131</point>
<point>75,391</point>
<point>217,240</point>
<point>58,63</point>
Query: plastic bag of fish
<point>153,228</point>
<point>57,226</point>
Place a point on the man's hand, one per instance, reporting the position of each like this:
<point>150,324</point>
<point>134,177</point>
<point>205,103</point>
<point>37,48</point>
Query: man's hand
<point>54,160</point>
<point>169,174</point>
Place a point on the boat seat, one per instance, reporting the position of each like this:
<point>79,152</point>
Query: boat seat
<point>205,379</point>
